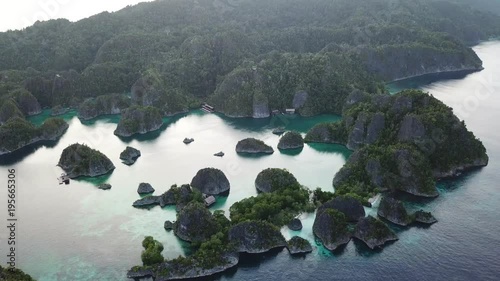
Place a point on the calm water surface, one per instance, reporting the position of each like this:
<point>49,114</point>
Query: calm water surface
<point>78,232</point>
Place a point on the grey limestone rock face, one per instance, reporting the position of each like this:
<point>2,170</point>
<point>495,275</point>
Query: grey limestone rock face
<point>331,228</point>
<point>261,110</point>
<point>256,237</point>
<point>357,134</point>
<point>300,99</point>
<point>351,208</point>
<point>373,232</point>
<point>298,246</point>
<point>145,188</point>
<point>211,181</point>
<point>394,211</point>
<point>412,129</point>
<point>375,128</point>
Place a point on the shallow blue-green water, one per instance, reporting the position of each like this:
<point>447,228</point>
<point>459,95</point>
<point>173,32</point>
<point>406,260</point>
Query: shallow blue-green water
<point>78,232</point>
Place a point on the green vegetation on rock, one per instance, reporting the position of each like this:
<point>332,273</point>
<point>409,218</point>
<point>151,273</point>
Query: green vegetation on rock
<point>80,160</point>
<point>18,133</point>
<point>253,146</point>
<point>103,105</point>
<point>291,140</point>
<point>271,180</point>
<point>14,274</point>
<point>152,251</point>
<point>139,120</point>
<point>402,142</point>
<point>245,59</point>
<point>277,207</point>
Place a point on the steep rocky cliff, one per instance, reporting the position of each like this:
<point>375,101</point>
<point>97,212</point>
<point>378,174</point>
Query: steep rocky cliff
<point>103,105</point>
<point>139,120</point>
<point>80,160</point>
<point>18,133</point>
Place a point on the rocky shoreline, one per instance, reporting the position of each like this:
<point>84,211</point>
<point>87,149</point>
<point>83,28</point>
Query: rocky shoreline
<point>47,132</point>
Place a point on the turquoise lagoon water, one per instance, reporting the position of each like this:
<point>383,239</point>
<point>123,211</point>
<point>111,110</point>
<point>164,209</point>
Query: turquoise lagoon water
<point>78,232</point>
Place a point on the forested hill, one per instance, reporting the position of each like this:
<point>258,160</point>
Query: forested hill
<point>492,6</point>
<point>255,53</point>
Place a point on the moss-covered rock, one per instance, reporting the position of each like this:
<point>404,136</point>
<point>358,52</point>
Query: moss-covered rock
<point>103,105</point>
<point>152,251</point>
<point>295,224</point>
<point>394,211</point>
<point>18,133</point>
<point>14,274</point>
<point>298,246</point>
<point>424,217</point>
<point>272,179</point>
<point>377,168</point>
<point>410,117</point>
<point>211,181</point>
<point>327,133</point>
<point>253,146</point>
<point>80,160</point>
<point>195,223</point>
<point>139,120</point>
<point>373,232</point>
<point>179,196</point>
<point>331,227</point>
<point>351,208</point>
<point>256,237</point>
<point>9,110</point>
<point>27,103</point>
<point>291,140</point>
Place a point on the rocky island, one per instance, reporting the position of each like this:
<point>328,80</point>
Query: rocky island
<point>211,181</point>
<point>145,188</point>
<point>130,155</point>
<point>291,140</point>
<point>179,196</point>
<point>331,227</point>
<point>394,211</point>
<point>270,180</point>
<point>80,160</point>
<point>299,246</point>
<point>256,237</point>
<point>189,222</point>
<point>253,146</point>
<point>423,143</point>
<point>139,120</point>
<point>17,133</point>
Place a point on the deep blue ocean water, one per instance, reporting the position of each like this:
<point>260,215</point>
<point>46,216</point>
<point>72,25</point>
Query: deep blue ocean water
<point>78,232</point>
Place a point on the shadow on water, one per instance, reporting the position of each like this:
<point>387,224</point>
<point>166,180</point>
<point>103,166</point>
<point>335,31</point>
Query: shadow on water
<point>246,124</point>
<point>291,152</point>
<point>451,184</point>
<point>331,149</point>
<point>256,260</point>
<point>254,156</point>
<point>420,81</point>
<point>95,180</point>
<point>20,154</point>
